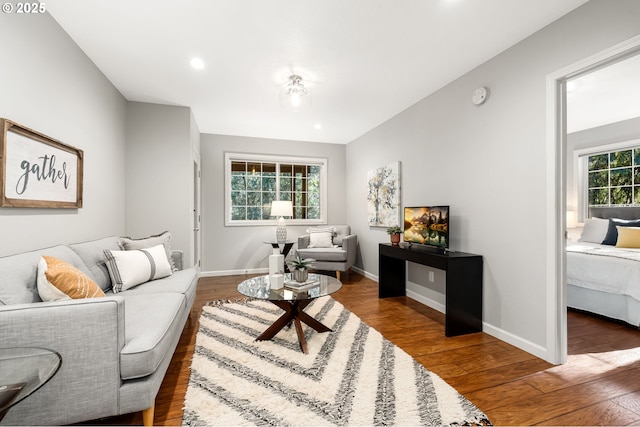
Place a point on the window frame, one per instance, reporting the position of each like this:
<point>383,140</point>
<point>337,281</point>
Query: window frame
<point>230,157</point>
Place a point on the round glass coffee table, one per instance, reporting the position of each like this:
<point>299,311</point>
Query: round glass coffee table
<point>23,370</point>
<point>292,301</point>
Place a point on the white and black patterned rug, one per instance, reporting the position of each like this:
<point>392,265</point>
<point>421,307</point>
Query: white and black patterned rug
<point>351,376</point>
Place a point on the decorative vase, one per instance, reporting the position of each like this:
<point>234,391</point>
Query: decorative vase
<point>300,275</point>
<point>281,231</point>
<point>395,239</point>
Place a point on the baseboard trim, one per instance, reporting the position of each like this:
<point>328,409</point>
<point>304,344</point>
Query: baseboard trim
<point>234,272</point>
<point>365,274</point>
<point>515,341</point>
<point>426,301</point>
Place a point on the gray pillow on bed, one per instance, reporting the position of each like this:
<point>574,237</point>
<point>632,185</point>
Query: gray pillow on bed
<point>612,233</point>
<point>595,230</point>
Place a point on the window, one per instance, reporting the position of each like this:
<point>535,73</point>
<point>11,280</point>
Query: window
<point>614,178</point>
<point>252,182</point>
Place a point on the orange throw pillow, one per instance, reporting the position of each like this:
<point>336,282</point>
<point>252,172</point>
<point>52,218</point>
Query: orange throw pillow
<point>58,280</point>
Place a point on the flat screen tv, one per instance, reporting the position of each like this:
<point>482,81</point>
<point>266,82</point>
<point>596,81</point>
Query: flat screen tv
<point>427,225</point>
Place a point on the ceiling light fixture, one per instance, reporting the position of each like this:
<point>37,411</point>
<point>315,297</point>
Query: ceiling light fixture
<point>294,96</point>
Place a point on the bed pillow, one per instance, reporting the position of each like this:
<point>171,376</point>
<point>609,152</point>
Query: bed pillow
<point>612,231</point>
<point>628,237</point>
<point>595,230</point>
<point>131,268</point>
<point>58,280</point>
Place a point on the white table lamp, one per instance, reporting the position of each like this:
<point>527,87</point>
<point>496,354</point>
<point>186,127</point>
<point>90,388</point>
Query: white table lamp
<point>281,208</point>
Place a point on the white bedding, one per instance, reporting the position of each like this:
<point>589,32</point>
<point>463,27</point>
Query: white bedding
<point>604,268</point>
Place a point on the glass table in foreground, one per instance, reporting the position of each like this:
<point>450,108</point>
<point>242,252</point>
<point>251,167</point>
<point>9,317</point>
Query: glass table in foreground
<point>292,301</point>
<point>23,370</point>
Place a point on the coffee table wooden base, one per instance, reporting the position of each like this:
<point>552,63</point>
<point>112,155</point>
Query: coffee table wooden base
<point>293,312</point>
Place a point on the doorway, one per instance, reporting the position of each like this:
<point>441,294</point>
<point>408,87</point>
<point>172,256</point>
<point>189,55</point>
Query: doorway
<point>557,188</point>
<point>196,215</point>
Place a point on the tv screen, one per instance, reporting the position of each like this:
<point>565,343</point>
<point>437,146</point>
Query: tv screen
<point>427,225</point>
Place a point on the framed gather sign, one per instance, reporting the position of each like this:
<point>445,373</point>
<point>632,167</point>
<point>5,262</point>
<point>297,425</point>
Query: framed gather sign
<point>37,171</point>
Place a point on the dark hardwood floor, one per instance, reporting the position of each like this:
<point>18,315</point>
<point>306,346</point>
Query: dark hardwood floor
<point>599,385</point>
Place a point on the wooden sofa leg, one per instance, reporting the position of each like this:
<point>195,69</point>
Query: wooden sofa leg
<point>147,415</point>
<point>338,275</point>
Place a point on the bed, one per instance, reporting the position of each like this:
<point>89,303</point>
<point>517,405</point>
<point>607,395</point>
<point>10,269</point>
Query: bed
<point>604,279</point>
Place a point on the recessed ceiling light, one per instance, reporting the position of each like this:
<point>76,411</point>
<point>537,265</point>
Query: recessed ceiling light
<point>197,63</point>
<point>317,126</point>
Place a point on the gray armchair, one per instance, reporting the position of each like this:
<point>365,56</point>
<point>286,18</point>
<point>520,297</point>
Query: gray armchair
<point>338,254</point>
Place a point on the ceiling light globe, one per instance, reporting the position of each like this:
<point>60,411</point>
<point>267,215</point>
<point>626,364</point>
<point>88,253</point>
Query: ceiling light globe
<point>294,96</point>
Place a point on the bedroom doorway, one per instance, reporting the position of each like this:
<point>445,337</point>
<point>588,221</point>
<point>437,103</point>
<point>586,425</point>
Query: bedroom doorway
<point>196,214</point>
<point>557,187</point>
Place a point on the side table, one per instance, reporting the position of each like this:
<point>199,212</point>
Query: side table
<point>23,370</point>
<point>284,250</point>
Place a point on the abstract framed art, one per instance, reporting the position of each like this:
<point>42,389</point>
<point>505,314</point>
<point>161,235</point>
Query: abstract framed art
<point>37,171</point>
<point>383,196</point>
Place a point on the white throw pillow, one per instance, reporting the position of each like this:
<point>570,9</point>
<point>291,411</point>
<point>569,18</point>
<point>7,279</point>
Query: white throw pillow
<point>329,229</point>
<point>321,240</point>
<point>131,268</point>
<point>164,238</point>
<point>595,230</point>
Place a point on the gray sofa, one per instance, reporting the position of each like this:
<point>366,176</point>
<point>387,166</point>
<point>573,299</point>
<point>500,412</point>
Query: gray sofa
<point>115,349</point>
<point>340,257</point>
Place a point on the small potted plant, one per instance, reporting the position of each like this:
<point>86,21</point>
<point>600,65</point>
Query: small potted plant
<point>300,267</point>
<point>394,233</point>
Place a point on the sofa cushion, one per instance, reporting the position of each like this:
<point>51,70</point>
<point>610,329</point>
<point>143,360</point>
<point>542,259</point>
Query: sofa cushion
<point>58,280</point>
<point>325,254</point>
<point>151,321</point>
<point>18,273</point>
<point>133,267</point>
<point>92,253</point>
<point>181,281</point>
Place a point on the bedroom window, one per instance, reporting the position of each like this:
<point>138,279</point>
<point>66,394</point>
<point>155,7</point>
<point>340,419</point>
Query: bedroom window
<point>614,178</point>
<point>252,182</point>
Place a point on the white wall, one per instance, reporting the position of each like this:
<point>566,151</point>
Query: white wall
<point>489,164</point>
<point>235,249</point>
<point>161,141</point>
<point>48,84</point>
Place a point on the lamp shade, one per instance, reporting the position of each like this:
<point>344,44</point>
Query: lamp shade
<point>572,221</point>
<point>281,208</point>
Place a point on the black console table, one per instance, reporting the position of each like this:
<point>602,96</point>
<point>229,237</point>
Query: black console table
<point>463,293</point>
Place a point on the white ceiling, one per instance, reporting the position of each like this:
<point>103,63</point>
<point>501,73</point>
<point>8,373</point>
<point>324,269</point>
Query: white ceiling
<point>608,95</point>
<point>364,61</point>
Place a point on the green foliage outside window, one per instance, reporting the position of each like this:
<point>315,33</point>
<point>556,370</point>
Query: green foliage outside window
<point>614,178</point>
<point>254,185</point>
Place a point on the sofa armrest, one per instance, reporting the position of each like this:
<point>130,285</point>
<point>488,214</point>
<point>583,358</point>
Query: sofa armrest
<point>178,259</point>
<point>349,245</point>
<point>303,241</point>
<point>88,334</point>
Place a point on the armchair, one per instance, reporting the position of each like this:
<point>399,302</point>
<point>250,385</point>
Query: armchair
<point>333,247</point>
